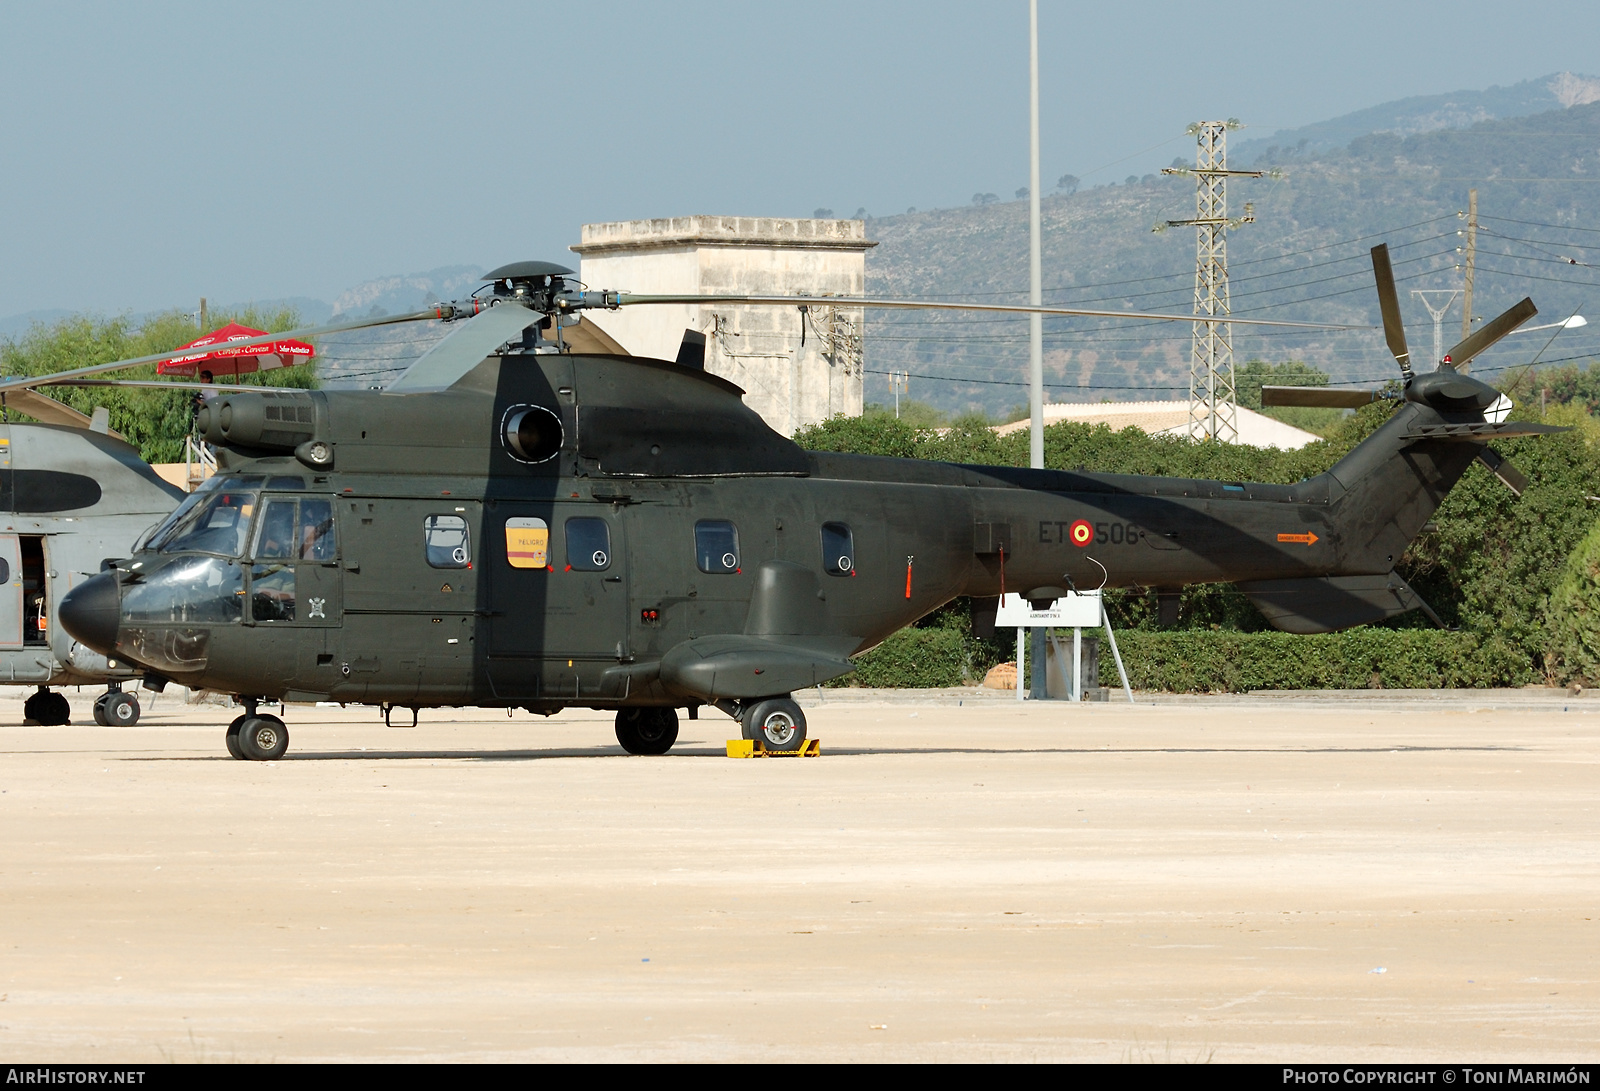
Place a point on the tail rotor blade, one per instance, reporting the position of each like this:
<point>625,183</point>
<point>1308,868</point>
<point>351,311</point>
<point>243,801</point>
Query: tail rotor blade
<point>1481,338</point>
<point>1497,464</point>
<point>464,349</point>
<point>1394,330</point>
<point>1319,397</point>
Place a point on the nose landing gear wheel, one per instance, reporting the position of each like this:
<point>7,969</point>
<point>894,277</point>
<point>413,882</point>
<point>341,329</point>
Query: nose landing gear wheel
<point>263,738</point>
<point>776,723</point>
<point>117,710</point>
<point>647,730</point>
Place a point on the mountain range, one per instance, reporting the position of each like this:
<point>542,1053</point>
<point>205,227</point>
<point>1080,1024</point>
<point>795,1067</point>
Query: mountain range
<point>1398,172</point>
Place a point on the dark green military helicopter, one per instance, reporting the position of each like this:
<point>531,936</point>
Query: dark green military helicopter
<point>513,525</point>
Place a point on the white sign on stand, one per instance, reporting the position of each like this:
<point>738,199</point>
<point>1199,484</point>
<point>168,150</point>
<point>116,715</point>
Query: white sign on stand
<point>1077,610</point>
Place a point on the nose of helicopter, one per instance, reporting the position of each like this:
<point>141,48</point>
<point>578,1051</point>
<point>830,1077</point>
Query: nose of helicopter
<point>90,612</point>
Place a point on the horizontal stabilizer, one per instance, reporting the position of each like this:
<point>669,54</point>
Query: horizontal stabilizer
<point>1481,431</point>
<point>1333,602</point>
<point>1320,397</point>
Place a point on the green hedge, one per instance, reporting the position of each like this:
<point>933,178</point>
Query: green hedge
<point>914,659</point>
<point>1226,662</point>
<point>1574,616</point>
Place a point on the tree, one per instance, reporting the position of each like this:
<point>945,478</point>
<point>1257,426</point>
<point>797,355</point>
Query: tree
<point>155,421</point>
<point>984,198</point>
<point>822,214</point>
<point>1068,184</point>
<point>1022,194</point>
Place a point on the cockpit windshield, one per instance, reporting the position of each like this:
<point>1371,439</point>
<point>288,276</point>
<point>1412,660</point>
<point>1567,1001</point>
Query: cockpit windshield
<point>215,519</point>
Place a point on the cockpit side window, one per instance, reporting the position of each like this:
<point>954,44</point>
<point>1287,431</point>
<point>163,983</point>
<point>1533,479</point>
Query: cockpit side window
<point>275,540</point>
<point>296,530</point>
<point>314,531</point>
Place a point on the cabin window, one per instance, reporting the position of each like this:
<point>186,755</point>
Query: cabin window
<point>527,542</point>
<point>588,545</point>
<point>447,541</point>
<point>716,543</point>
<point>838,550</point>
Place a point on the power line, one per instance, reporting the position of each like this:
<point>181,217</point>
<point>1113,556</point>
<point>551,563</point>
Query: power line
<point>1248,261</point>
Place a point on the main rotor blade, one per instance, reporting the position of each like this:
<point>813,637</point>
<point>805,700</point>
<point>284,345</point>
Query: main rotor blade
<point>1320,397</point>
<point>23,382</point>
<point>625,299</point>
<point>44,408</point>
<point>1490,332</point>
<point>464,349</point>
<point>157,384</point>
<point>1394,330</point>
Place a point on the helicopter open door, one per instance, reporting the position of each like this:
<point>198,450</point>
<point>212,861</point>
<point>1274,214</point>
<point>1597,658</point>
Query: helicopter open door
<point>11,597</point>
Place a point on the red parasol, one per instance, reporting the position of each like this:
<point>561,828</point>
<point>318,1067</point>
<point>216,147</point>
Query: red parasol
<point>211,353</point>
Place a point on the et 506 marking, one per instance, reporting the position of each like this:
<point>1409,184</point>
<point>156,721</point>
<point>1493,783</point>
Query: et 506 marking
<point>1081,533</point>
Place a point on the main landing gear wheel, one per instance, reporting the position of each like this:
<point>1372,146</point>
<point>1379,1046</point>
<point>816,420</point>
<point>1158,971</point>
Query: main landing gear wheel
<point>47,709</point>
<point>261,738</point>
<point>233,737</point>
<point>647,730</point>
<point>116,709</point>
<point>776,723</point>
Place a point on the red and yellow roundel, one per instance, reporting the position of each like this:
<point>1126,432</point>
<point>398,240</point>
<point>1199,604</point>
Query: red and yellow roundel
<point>1082,533</point>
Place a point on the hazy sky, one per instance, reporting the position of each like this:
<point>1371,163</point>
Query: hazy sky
<point>157,152</point>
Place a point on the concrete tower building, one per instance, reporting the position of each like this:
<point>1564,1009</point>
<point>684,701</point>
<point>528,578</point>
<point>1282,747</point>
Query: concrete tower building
<point>797,368</point>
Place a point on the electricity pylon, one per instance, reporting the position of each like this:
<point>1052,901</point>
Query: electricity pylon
<point>1437,313</point>
<point>1213,404</point>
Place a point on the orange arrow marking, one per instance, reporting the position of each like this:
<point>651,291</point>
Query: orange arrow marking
<point>1304,539</point>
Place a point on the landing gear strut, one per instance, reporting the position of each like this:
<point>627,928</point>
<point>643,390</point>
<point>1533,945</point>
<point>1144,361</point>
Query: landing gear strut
<point>47,709</point>
<point>114,708</point>
<point>647,730</point>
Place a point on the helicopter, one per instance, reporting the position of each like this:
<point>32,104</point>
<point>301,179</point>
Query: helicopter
<point>515,524</point>
<point>72,494</point>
